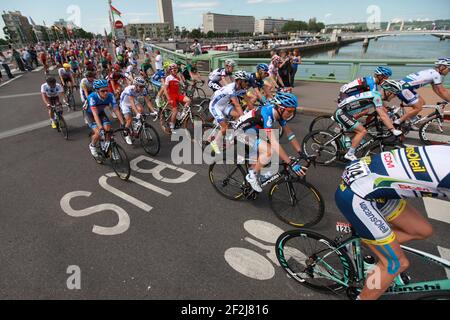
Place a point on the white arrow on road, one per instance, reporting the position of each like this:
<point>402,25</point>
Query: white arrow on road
<point>437,209</point>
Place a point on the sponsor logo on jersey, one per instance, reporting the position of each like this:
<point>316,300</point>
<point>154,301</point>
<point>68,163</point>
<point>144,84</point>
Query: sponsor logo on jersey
<point>389,160</point>
<point>415,161</point>
<point>379,223</point>
<point>414,188</point>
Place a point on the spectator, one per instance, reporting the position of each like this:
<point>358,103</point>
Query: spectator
<point>158,61</point>
<point>34,57</point>
<point>272,53</point>
<point>196,48</point>
<point>4,60</point>
<point>18,59</point>
<point>296,61</point>
<point>285,68</point>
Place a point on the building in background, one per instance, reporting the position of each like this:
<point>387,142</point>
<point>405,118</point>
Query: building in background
<point>269,25</point>
<point>224,23</point>
<point>148,30</point>
<point>18,28</point>
<point>166,12</point>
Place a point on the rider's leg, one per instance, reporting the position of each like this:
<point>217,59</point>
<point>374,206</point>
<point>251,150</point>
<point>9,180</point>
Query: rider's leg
<point>408,224</point>
<point>416,108</point>
<point>173,118</point>
<point>360,133</point>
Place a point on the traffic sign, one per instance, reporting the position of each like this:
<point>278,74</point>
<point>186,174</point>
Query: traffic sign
<point>118,24</point>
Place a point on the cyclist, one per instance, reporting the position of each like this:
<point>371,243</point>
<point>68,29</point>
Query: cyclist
<point>222,76</point>
<point>157,79</point>
<point>43,58</point>
<point>66,76</point>
<point>256,84</point>
<point>191,73</point>
<point>145,67</point>
<point>172,91</point>
<point>87,86</point>
<point>281,108</point>
<point>372,198</point>
<point>52,94</point>
<point>409,85</point>
<point>74,66</point>
<point>357,104</point>
<point>225,104</point>
<point>95,113</point>
<point>132,71</point>
<point>369,83</point>
<point>114,80</point>
<point>129,103</point>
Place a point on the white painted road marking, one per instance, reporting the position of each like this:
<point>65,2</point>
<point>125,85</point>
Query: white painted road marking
<point>11,80</point>
<point>36,126</point>
<point>21,95</point>
<point>445,253</point>
<point>437,209</point>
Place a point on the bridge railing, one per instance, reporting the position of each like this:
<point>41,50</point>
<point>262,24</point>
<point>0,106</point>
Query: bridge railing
<point>340,71</point>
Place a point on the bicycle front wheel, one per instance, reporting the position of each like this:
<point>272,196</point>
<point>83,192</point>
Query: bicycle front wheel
<point>150,140</point>
<point>322,145</point>
<point>228,180</point>
<point>120,162</point>
<point>435,131</point>
<point>297,203</point>
<point>313,260</point>
<point>324,123</point>
<point>62,127</point>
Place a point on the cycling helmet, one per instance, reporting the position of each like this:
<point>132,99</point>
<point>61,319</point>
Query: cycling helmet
<point>134,63</point>
<point>178,63</point>
<point>392,86</point>
<point>286,100</point>
<point>166,65</point>
<point>99,84</point>
<point>264,67</point>
<point>51,81</point>
<point>66,66</point>
<point>138,81</point>
<point>443,62</point>
<point>230,62</point>
<point>384,71</point>
<point>241,75</point>
<point>173,66</point>
<point>119,58</point>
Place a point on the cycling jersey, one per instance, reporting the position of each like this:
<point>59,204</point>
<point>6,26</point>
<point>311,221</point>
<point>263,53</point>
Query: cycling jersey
<point>188,70</point>
<point>217,75</point>
<point>131,71</point>
<point>52,92</point>
<point>220,105</point>
<point>263,118</point>
<point>95,102</point>
<point>65,74</point>
<point>173,85</point>
<point>86,84</point>
<point>357,86</point>
<point>255,81</point>
<point>373,188</point>
<point>146,67</point>
<point>130,91</point>
<point>354,105</point>
<point>74,65</point>
<point>415,81</point>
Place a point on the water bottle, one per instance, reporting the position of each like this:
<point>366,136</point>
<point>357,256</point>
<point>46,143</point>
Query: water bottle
<point>369,263</point>
<point>347,141</point>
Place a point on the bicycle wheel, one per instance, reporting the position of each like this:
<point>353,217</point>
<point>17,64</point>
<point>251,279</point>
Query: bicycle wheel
<point>150,140</point>
<point>62,127</point>
<point>324,123</point>
<point>199,94</point>
<point>228,180</point>
<point>71,101</point>
<point>297,203</point>
<point>189,123</point>
<point>313,260</point>
<point>120,162</point>
<point>322,145</point>
<point>435,131</point>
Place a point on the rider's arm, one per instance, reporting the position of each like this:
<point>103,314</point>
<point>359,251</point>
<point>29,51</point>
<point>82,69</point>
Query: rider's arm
<point>238,107</point>
<point>441,92</point>
<point>385,118</point>
<point>134,105</point>
<point>45,99</point>
<point>293,139</point>
<point>117,111</point>
<point>96,117</point>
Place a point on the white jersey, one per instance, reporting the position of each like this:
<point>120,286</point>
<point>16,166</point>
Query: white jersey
<point>421,78</point>
<point>52,92</point>
<point>131,91</point>
<point>217,75</point>
<point>65,74</point>
<point>85,84</point>
<point>413,172</point>
<point>222,97</point>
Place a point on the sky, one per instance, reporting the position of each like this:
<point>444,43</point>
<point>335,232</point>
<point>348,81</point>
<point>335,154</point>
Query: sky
<point>92,14</point>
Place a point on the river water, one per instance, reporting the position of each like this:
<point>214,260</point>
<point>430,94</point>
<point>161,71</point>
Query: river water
<point>393,47</point>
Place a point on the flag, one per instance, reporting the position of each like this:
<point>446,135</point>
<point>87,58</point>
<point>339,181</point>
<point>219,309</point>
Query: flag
<point>115,11</point>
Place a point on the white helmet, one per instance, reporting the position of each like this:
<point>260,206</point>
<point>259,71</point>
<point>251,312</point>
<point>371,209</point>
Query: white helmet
<point>241,75</point>
<point>230,62</point>
<point>443,62</point>
<point>392,86</point>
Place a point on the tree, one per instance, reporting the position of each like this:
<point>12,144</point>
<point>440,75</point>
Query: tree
<point>210,35</point>
<point>184,33</point>
<point>3,42</point>
<point>294,26</point>
<point>196,33</point>
<point>177,31</point>
<point>133,32</point>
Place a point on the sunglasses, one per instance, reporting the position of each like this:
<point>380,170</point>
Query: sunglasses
<point>103,91</point>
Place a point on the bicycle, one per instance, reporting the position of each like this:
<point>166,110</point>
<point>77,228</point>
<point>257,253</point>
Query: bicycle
<point>185,118</point>
<point>109,149</point>
<point>330,146</point>
<point>436,127</point>
<point>194,92</point>
<point>69,96</point>
<point>290,197</point>
<point>61,124</point>
<point>336,266</point>
<point>147,135</point>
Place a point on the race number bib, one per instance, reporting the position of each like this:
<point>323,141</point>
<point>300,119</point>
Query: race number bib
<point>355,171</point>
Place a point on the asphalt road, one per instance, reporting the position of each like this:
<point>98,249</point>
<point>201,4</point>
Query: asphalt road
<point>165,235</point>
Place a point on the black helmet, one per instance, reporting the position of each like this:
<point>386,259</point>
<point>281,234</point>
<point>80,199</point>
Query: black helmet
<point>51,81</point>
